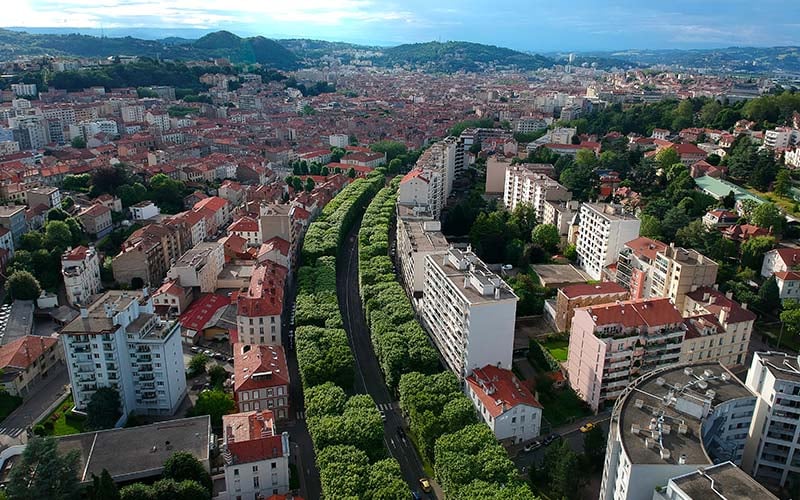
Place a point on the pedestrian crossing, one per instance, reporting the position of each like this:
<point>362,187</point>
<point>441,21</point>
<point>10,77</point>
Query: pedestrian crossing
<point>12,431</point>
<point>301,415</point>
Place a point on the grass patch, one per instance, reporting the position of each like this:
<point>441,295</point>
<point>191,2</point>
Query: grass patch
<point>562,406</point>
<point>426,466</point>
<point>557,348</point>
<point>8,403</point>
<point>64,422</point>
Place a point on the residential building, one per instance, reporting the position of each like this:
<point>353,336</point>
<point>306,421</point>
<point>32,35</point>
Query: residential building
<point>199,266</point>
<point>780,138</point>
<point>338,140</point>
<point>259,309</point>
<point>219,207</point>
<point>12,217</point>
<point>146,255</point>
<point>248,228</point>
<point>276,250</point>
<point>144,210</point>
<point>171,299</point>
<point>780,260</point>
<point>364,159</point>
<point>261,379</point>
<point>441,157</point>
<point>47,196</point>
<point>717,327</point>
<point>6,246</point>
<point>80,268</point>
<point>689,153</point>
<point>30,131</point>
<point>468,311</point>
<point>96,220</point>
<point>723,481</point>
<point>561,214</point>
<point>415,240</point>
<point>788,284</point>
<point>119,342</point>
<point>611,345</point>
<point>524,186</point>
<point>202,320</point>
<point>276,220</point>
<point>678,271</point>
<point>27,360</point>
<point>581,295</point>
<point>603,231</point>
<point>635,263</point>
<point>423,189</point>
<point>719,219</point>
<point>770,455</point>
<point>674,421</point>
<point>256,457</point>
<point>504,403</point>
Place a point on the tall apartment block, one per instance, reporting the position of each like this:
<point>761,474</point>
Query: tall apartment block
<point>603,230</point>
<point>118,341</point>
<point>468,311</point>
<point>416,239</point>
<point>524,186</point>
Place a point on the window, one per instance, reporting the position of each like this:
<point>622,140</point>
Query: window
<point>255,468</point>
<point>273,465</point>
<point>235,472</point>
<point>255,482</point>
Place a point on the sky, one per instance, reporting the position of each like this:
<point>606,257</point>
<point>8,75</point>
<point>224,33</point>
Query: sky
<point>529,25</point>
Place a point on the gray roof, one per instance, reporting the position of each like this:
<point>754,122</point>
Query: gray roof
<point>723,481</point>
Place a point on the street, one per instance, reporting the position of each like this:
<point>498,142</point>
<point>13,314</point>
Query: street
<point>369,378</point>
<point>43,394</point>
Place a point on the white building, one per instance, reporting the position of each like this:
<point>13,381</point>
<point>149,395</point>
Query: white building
<point>468,311</point>
<point>441,157</point>
<point>603,230</point>
<point>119,342</point>
<point>780,260</point>
<point>506,405</point>
<point>670,422</point>
<point>24,89</point>
<point>30,131</point>
<point>256,458</point>
<point>770,454</point>
<point>424,189</point>
<point>417,238</point>
<point>524,186</point>
<point>132,113</point>
<point>338,140</point>
<point>88,129</point>
<point>81,270</point>
<point>199,266</point>
<point>144,210</point>
<point>781,137</point>
<point>723,481</point>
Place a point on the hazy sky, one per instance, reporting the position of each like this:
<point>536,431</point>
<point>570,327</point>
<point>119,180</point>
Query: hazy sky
<point>534,25</point>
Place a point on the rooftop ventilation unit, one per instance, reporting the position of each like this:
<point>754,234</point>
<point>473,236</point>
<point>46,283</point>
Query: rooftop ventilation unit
<point>682,459</point>
<point>708,373</point>
<point>635,429</point>
<point>688,370</point>
<point>665,454</point>
<point>660,381</point>
<point>702,384</point>
<point>683,428</point>
<point>711,393</point>
<point>638,403</point>
<point>725,376</point>
<point>665,429</point>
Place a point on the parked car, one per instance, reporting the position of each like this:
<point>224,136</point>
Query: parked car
<point>219,356</point>
<point>587,427</point>
<point>425,484</point>
<point>208,353</point>
<point>415,495</point>
<point>195,349</point>
<point>534,445</point>
<point>549,439</point>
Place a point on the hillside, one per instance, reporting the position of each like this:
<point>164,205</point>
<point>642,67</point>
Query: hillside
<point>460,56</point>
<point>218,44</point>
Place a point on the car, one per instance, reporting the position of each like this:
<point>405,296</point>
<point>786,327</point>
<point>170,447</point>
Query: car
<point>425,484</point>
<point>230,359</point>
<point>534,445</point>
<point>208,352</point>
<point>549,439</point>
<point>219,356</point>
<point>195,349</point>
<point>587,427</point>
<point>415,495</point>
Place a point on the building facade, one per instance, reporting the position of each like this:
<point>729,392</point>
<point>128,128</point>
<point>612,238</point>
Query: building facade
<point>603,230</point>
<point>415,240</point>
<point>571,297</point>
<point>261,379</point>
<point>80,268</point>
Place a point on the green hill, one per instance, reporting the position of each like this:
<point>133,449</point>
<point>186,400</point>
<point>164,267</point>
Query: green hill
<point>460,56</point>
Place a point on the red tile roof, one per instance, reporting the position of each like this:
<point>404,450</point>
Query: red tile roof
<point>643,246</point>
<point>413,174</point>
<point>77,253</point>
<point>499,390</point>
<point>584,289</point>
<point>266,362</point>
<point>788,275</point>
<point>632,313</point>
<point>250,436</point>
<point>201,311</point>
<point>275,243</point>
<point>789,256</point>
<point>244,224</point>
<point>264,296</point>
<point>22,352</point>
<point>215,203</point>
<point>717,301</point>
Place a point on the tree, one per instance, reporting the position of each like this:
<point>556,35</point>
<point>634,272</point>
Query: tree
<point>394,166</point>
<point>561,468</point>
<point>667,157</point>
<point>103,410</point>
<point>32,240</point>
<point>183,466</point>
<point>546,236</point>
<point>22,285</point>
<point>594,447</point>
<point>488,235</point>
<point>783,183</point>
<point>753,251</point>
<point>674,219</point>
<point>43,472</point>
<point>571,252</point>
<point>137,491</point>
<point>351,173</point>
<point>57,235</point>
<point>769,298</point>
<point>309,184</point>
<point>78,142</point>
<point>650,227</point>
<point>197,365</point>
<point>767,215</point>
<point>729,200</point>
<point>167,193</point>
<point>580,179</point>
<point>297,184</point>
<point>790,317</point>
<point>324,399</point>
<point>522,221</point>
<point>103,487</point>
<point>392,149</point>
<point>78,182</point>
<point>214,403</point>
<point>67,203</point>
<point>217,375</point>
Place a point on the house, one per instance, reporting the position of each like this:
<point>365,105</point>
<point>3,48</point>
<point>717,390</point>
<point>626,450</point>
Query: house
<point>720,219</point>
<point>80,268</point>
<point>48,196</point>
<point>788,284</point>
<point>199,316</point>
<point>247,228</point>
<point>26,360</point>
<point>259,308</point>
<point>219,207</point>
<point>504,403</point>
<point>96,220</point>
<point>144,210</point>
<point>743,232</point>
<point>780,260</point>
<point>689,153</point>
<point>171,299</point>
<point>261,379</point>
<point>276,250</point>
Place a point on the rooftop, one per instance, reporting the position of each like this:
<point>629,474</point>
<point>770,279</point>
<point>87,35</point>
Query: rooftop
<point>586,289</point>
<point>551,275</point>
<point>98,317</point>
<point>425,240</point>
<point>198,255</point>
<point>499,390</point>
<point>668,406</point>
<point>472,278</point>
<point>646,247</point>
<point>257,366</point>
<point>723,481</point>
<point>782,366</point>
<point>20,321</point>
<point>609,211</point>
<point>634,313</point>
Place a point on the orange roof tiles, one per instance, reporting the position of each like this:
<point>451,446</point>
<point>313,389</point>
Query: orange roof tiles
<point>499,390</point>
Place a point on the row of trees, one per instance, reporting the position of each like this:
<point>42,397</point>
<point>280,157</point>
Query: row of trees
<point>347,433</point>
<point>399,341</point>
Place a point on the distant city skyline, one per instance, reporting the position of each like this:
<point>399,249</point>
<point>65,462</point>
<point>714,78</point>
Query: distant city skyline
<point>532,25</point>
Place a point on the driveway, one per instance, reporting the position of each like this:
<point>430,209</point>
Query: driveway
<point>43,395</point>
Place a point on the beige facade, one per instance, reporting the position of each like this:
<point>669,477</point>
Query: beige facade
<point>678,271</point>
<point>27,360</point>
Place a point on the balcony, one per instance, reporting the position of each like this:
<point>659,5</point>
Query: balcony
<point>145,368</point>
<point>146,376</point>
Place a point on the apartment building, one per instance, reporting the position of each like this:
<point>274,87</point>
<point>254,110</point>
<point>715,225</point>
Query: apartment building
<point>572,297</point>
<point>781,138</point>
<point>26,360</point>
<point>96,220</point>
<point>12,217</point>
<point>256,457</point>
<point>602,232</point>
<point>441,157</point>
<point>525,186</point>
<point>678,271</point>
<point>561,214</point>
<point>772,454</point>
<point>710,482</point>
<point>47,196</point>
<point>423,189</point>
<point>674,421</point>
<point>171,299</point>
<point>199,266</point>
<point>259,308</point>
<point>612,344</point>
<point>717,328</point>
<point>468,311</point>
<point>504,403</point>
<point>118,341</point>
<point>30,131</point>
<point>261,379</point>
<point>247,228</point>
<point>148,253</point>
<point>80,268</point>
<point>635,263</point>
<point>416,239</point>
<point>144,210</point>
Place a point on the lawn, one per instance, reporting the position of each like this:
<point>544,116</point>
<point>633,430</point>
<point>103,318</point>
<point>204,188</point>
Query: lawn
<point>562,406</point>
<point>64,423</point>
<point>557,348</point>
<point>8,403</point>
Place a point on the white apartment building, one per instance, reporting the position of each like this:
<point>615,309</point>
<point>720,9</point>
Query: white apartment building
<point>468,311</point>
<point>144,210</point>
<point>338,140</point>
<point>560,214</point>
<point>416,238</point>
<point>670,422</point>
<point>24,89</point>
<point>80,268</point>
<point>772,454</point>
<point>602,232</point>
<point>199,266</point>
<point>524,186</point>
<point>781,137</point>
<point>424,189</point>
<point>709,483</point>
<point>678,271</point>
<point>30,131</point>
<point>88,129</point>
<point>256,457</point>
<point>506,405</point>
<point>441,157</point>
<point>132,113</point>
<point>118,341</point>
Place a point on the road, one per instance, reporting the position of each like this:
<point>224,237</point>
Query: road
<point>43,394</point>
<point>369,378</point>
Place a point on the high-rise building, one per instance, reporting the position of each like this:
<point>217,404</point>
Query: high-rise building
<point>722,481</point>
<point>524,186</point>
<point>417,238</point>
<point>423,189</point>
<point>468,311</point>
<point>670,422</point>
<point>678,271</point>
<point>30,131</point>
<point>603,230</point>
<point>118,341</point>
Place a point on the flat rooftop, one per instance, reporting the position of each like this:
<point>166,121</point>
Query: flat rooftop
<point>20,321</point>
<point>554,275</point>
<point>422,240</point>
<point>478,275</point>
<point>138,452</point>
<point>97,321</point>
<point>609,211</point>
<point>198,255</point>
<point>782,366</point>
<point>689,390</point>
<point>724,481</point>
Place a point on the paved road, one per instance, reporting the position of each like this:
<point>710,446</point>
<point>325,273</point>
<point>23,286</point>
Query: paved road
<point>44,393</point>
<point>369,378</point>
<point>571,433</point>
